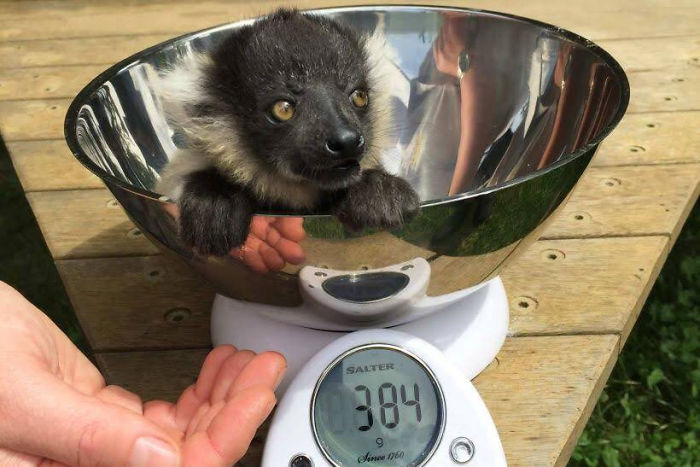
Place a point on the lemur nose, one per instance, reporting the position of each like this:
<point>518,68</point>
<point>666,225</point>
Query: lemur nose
<point>345,143</point>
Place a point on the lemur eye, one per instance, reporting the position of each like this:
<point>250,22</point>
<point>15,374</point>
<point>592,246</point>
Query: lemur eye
<point>360,98</point>
<point>283,110</point>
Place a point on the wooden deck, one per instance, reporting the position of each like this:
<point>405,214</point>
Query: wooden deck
<point>575,294</point>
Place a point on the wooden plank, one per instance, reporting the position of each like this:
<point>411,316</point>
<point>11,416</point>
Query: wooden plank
<point>578,286</point>
<point>673,89</point>
<point>609,201</point>
<point>32,120</point>
<point>18,119</point>
<point>110,19</point>
<point>644,204</point>
<point>49,165</point>
<point>662,90</point>
<point>86,223</point>
<point>639,54</point>
<point>653,138</point>
<point>654,53</point>
<point>152,375</point>
<point>79,19</point>
<point>45,82</point>
<point>543,391</point>
<point>653,91</point>
<point>138,303</point>
<point>673,137</point>
<point>535,430</point>
<point>611,276</point>
<point>83,51</point>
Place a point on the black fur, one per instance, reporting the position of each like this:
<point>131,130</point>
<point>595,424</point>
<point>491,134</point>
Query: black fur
<point>214,214</point>
<point>311,61</point>
<point>316,64</point>
<point>378,200</point>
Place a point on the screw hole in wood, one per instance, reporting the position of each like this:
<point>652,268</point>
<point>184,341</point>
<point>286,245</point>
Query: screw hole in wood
<point>612,182</point>
<point>177,315</point>
<point>526,303</point>
<point>553,255</point>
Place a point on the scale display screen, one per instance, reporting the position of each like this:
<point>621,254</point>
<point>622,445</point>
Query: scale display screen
<point>377,406</point>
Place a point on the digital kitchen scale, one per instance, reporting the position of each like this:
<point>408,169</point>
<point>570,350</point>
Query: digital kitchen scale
<point>400,396</point>
<point>382,398</point>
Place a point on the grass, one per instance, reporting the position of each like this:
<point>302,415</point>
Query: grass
<point>25,262</point>
<point>647,415</point>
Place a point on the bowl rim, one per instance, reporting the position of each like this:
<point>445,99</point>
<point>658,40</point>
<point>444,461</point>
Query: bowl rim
<point>70,122</point>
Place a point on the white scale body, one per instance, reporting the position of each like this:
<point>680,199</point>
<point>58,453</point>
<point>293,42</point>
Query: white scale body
<point>465,434</point>
<point>454,337</point>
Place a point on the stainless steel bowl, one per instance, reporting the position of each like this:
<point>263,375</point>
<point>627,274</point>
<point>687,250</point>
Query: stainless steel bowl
<point>497,118</point>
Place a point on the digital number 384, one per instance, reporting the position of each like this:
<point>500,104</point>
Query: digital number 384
<point>388,404</point>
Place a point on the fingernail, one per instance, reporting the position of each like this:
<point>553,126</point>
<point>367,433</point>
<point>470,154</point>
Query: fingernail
<point>152,452</point>
<point>280,376</point>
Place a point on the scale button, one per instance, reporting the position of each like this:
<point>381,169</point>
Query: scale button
<point>300,460</point>
<point>462,450</point>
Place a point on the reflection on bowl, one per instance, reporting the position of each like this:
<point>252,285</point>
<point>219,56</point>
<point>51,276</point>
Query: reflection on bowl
<point>497,117</point>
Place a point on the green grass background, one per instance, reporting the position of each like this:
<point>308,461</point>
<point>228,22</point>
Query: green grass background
<point>647,415</point>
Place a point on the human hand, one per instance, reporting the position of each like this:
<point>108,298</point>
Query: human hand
<point>272,243</point>
<point>55,408</point>
<point>450,42</point>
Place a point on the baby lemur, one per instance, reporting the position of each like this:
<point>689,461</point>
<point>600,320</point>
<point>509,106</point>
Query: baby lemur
<point>287,113</point>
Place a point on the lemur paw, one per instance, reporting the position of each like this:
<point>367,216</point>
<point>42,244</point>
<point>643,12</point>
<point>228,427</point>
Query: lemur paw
<point>378,200</point>
<point>214,217</point>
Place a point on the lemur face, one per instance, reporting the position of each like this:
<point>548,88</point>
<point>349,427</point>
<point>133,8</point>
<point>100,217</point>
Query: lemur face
<point>298,91</point>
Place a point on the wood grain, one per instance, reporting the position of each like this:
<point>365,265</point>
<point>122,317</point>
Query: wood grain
<point>669,90</point>
<point>49,165</point>
<point>664,90</point>
<point>32,120</point>
<point>153,302</point>
<point>46,82</point>
<point>654,53</point>
<point>83,51</point>
<point>651,200</point>
<point>543,391</point>
<point>592,286</point>
<point>78,19</point>
<point>535,430</point>
<point>86,223</point>
<point>653,138</point>
<point>673,137</point>
<point>644,204</point>
<point>124,302</point>
<point>638,54</point>
<point>39,20</point>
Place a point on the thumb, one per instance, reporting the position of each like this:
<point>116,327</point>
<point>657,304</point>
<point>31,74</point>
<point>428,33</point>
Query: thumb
<point>43,416</point>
